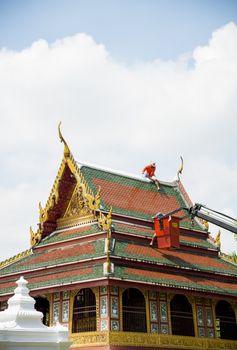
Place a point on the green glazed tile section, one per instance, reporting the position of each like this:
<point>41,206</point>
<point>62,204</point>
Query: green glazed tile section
<point>91,173</point>
<point>97,273</point>
<point>57,237</point>
<point>138,231</point>
<point>120,272</point>
<point>133,230</point>
<point>120,250</point>
<point>99,251</point>
<point>201,244</point>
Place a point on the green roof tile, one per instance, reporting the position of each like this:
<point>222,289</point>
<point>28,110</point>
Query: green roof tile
<point>26,263</point>
<point>172,261</point>
<point>122,273</point>
<point>95,273</point>
<point>90,174</point>
<point>70,233</point>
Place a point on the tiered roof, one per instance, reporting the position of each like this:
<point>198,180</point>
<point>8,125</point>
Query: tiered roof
<point>71,249</point>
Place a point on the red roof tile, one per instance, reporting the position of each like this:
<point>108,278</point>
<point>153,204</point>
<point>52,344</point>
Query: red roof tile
<point>60,253</point>
<point>176,255</point>
<point>179,278</point>
<point>49,276</point>
<point>136,199</point>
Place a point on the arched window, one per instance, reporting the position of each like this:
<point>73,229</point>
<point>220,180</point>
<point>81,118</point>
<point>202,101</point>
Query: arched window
<point>181,316</point>
<point>225,316</point>
<point>134,311</point>
<point>84,311</point>
<point>42,305</point>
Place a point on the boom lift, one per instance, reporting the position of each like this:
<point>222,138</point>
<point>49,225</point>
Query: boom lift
<point>167,225</point>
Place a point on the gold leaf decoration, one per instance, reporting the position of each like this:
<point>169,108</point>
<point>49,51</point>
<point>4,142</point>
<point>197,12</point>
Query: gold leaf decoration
<point>78,204</point>
<point>105,221</point>
<point>35,237</point>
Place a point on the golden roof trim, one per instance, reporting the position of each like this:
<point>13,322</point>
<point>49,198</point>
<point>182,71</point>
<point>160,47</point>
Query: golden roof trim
<point>15,258</point>
<point>230,258</point>
<point>68,160</point>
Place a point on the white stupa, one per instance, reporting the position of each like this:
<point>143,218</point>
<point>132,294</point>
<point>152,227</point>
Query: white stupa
<point>21,325</point>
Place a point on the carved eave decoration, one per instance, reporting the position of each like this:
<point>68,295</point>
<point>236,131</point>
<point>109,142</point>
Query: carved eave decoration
<point>70,199</point>
<point>105,221</point>
<point>15,258</point>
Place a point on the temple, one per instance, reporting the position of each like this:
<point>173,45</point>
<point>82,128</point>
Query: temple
<point>90,265</point>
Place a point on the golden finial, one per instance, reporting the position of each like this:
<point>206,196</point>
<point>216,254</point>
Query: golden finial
<point>41,213</point>
<point>32,234</point>
<point>218,239</point>
<point>181,168</point>
<point>66,148</point>
<point>206,224</point>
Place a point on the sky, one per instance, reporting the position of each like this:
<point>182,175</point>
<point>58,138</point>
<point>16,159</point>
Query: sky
<point>131,81</point>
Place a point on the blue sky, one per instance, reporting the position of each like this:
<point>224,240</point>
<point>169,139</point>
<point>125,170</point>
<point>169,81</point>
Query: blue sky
<point>131,30</point>
<point>134,80</point>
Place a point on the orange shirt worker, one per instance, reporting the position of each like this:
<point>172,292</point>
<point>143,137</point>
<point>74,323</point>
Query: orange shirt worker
<point>149,173</point>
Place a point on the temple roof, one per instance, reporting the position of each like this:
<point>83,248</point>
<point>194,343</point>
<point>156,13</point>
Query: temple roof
<point>75,256</point>
<point>97,226</point>
<point>136,197</point>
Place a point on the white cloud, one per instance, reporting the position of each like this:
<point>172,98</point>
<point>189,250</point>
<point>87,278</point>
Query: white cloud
<point>115,115</point>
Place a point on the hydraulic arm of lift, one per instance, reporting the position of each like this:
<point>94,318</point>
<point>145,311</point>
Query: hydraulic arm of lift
<point>210,215</point>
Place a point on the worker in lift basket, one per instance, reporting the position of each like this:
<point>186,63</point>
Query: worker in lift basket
<point>149,173</point>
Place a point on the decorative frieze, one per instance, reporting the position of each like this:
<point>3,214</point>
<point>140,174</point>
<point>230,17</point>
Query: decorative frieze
<point>149,340</point>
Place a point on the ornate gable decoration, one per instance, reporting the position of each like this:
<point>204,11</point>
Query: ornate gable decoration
<point>78,205</point>
<point>81,208</point>
<point>83,202</point>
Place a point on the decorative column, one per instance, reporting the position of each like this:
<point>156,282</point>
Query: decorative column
<point>114,308</point>
<point>235,310</point>
<point>153,312</point>
<point>194,311</point>
<point>59,307</point>
<point>158,307</point>
<point>204,318</point>
<point>109,308</point>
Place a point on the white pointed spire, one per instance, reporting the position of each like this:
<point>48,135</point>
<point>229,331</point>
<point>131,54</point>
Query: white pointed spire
<point>21,325</point>
<point>21,312</point>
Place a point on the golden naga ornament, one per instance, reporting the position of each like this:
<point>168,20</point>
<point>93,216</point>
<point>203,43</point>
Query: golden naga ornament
<point>206,224</point>
<point>66,148</point>
<point>35,237</point>
<point>105,221</point>
<point>218,239</point>
<point>179,172</point>
<point>93,201</point>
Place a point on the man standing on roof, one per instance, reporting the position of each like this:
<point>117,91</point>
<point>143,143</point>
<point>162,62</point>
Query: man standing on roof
<point>149,173</point>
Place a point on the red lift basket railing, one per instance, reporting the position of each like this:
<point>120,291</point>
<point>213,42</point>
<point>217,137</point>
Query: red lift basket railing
<point>167,226</point>
<point>167,232</point>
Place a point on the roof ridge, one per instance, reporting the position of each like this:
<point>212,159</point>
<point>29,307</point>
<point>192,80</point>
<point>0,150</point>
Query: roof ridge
<point>122,173</point>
